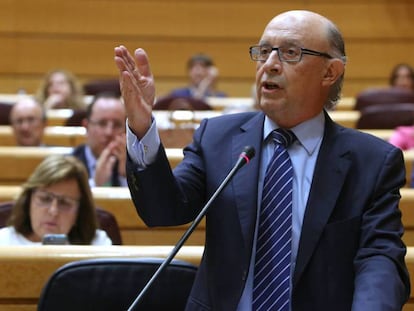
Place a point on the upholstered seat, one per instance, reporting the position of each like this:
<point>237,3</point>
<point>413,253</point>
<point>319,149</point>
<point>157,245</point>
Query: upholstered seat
<point>386,116</point>
<point>382,96</point>
<point>95,87</point>
<point>113,284</point>
<point>76,118</point>
<point>5,109</point>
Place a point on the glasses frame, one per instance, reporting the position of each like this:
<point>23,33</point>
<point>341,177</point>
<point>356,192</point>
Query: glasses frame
<point>302,51</point>
<point>74,203</point>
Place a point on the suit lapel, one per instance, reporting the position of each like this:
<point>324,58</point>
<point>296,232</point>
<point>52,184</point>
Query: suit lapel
<point>245,181</point>
<point>330,171</point>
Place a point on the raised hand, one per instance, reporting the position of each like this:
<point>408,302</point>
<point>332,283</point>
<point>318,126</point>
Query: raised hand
<point>137,88</point>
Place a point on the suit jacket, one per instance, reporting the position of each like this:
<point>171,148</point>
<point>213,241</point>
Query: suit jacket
<point>79,152</point>
<point>350,255</point>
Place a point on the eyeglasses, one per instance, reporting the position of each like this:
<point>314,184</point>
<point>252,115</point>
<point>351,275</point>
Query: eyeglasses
<point>290,54</point>
<point>103,124</point>
<point>44,199</point>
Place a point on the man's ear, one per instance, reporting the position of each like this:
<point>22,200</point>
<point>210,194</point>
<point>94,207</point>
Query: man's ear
<point>333,71</point>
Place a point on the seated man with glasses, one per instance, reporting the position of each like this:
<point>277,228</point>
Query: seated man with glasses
<point>56,199</point>
<point>28,122</point>
<point>104,152</point>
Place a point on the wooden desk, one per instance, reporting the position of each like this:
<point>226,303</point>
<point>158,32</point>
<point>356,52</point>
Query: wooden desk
<point>345,118</point>
<point>223,103</point>
<point>65,136</point>
<point>26,269</point>
<point>383,134</point>
<point>135,232</point>
<point>346,103</point>
<point>17,163</point>
<point>72,136</point>
<point>408,160</point>
<point>117,200</point>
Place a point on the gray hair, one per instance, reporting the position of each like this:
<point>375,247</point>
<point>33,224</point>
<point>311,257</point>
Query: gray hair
<point>337,44</point>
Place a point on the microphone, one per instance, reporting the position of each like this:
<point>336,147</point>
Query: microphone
<point>244,158</point>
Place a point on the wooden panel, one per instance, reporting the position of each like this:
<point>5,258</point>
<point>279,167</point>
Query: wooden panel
<point>345,118</point>
<point>17,163</point>
<point>53,136</point>
<point>135,232</point>
<point>38,263</point>
<point>378,34</point>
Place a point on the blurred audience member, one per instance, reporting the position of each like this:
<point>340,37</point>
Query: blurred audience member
<point>202,76</point>
<point>60,89</point>
<point>402,76</point>
<point>28,121</point>
<point>403,137</point>
<point>56,199</point>
<point>104,153</point>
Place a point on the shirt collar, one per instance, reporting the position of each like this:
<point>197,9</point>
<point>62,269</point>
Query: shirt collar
<point>309,133</point>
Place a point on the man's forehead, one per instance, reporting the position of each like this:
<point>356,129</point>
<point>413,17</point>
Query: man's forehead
<point>293,29</point>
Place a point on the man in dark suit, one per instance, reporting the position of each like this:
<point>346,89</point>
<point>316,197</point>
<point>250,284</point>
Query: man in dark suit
<point>346,247</point>
<point>104,153</point>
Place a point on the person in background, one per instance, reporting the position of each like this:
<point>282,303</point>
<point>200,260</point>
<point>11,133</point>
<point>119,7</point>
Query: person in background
<point>341,223</point>
<point>28,121</point>
<point>55,199</point>
<point>402,76</point>
<point>202,76</point>
<point>60,89</point>
<point>104,153</point>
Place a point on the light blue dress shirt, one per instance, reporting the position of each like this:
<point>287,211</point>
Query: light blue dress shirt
<point>303,154</point>
<point>90,158</point>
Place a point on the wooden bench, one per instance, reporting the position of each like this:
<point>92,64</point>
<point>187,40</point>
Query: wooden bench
<point>66,136</point>
<point>135,232</point>
<point>17,163</point>
<point>380,133</point>
<point>26,269</point>
<point>347,118</point>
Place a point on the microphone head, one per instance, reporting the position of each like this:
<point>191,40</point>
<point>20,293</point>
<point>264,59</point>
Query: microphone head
<point>246,155</point>
<point>248,152</point>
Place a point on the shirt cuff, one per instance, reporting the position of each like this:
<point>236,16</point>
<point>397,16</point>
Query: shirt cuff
<point>143,152</point>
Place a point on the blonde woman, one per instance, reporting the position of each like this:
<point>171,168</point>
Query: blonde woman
<point>60,89</point>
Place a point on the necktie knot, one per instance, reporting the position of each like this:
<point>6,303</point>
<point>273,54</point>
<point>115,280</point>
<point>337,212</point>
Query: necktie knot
<point>283,137</point>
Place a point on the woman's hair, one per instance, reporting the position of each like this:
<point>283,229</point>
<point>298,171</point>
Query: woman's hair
<point>51,170</point>
<point>75,100</point>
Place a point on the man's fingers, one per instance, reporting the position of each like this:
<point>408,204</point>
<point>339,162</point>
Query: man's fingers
<point>141,59</point>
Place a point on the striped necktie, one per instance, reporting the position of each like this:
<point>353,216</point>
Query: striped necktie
<point>271,290</point>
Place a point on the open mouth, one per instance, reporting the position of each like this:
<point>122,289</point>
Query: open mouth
<point>271,86</point>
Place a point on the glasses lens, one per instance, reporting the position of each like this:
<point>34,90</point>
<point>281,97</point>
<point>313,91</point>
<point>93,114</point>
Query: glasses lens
<point>45,199</point>
<point>260,52</point>
<point>290,53</point>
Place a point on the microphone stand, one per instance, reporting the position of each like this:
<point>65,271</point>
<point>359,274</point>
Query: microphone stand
<point>243,159</point>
